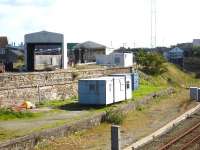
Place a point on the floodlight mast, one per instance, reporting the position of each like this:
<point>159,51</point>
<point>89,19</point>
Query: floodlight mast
<point>153,24</point>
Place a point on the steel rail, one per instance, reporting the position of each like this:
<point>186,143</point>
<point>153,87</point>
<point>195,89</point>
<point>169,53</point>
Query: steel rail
<point>166,146</point>
<point>191,142</point>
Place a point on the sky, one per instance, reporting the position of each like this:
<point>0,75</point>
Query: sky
<point>113,23</point>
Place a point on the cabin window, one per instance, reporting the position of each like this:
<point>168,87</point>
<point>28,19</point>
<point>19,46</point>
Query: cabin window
<point>92,87</point>
<point>127,85</point>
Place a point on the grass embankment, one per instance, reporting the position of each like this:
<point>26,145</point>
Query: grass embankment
<point>174,77</point>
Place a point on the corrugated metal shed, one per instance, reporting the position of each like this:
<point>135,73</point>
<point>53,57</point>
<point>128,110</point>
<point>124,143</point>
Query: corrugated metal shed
<point>135,80</point>
<point>89,45</point>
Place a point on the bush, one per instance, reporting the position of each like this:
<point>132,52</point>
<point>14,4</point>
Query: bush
<point>114,117</point>
<point>152,63</point>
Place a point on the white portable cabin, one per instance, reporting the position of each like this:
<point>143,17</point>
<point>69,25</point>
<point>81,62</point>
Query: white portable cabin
<point>101,91</point>
<point>115,59</point>
<point>128,83</point>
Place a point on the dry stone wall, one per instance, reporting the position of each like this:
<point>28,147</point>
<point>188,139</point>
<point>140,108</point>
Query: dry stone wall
<point>40,86</point>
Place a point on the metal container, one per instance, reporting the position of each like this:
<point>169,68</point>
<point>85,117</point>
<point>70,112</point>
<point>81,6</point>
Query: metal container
<point>198,95</point>
<point>102,90</point>
<point>194,93</point>
<point>135,80</point>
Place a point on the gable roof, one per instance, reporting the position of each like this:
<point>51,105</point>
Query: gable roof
<point>89,45</point>
<point>176,50</point>
<point>3,42</point>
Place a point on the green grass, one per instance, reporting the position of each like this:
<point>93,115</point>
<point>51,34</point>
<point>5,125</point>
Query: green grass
<point>174,77</point>
<point>146,88</point>
<point>57,103</point>
<point>7,114</point>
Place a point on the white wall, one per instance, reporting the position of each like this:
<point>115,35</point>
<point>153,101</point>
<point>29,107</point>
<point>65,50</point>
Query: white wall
<point>128,59</point>
<point>115,59</point>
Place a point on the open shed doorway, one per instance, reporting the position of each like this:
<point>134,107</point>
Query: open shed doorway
<point>45,50</point>
<point>44,56</point>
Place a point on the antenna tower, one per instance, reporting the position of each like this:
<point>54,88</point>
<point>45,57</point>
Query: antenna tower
<point>153,23</point>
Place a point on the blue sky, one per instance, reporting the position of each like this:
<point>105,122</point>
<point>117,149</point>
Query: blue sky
<point>103,21</point>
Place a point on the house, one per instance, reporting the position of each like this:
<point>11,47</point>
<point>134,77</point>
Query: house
<point>86,52</point>
<point>196,43</point>
<point>103,90</point>
<point>176,56</point>
<point>115,59</point>
<point>48,44</point>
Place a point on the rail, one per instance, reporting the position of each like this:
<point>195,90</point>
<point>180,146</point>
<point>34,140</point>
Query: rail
<point>166,146</point>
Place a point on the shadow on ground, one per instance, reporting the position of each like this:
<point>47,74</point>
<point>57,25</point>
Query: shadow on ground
<point>75,106</point>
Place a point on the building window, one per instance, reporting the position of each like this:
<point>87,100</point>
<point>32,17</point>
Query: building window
<point>127,85</point>
<point>2,51</point>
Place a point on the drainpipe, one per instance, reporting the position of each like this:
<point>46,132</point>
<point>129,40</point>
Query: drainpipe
<point>125,89</point>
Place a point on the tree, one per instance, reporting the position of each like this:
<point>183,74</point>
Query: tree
<point>151,62</point>
<point>196,51</point>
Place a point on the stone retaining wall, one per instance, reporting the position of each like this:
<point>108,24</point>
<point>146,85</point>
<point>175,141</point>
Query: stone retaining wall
<point>29,141</point>
<point>39,86</point>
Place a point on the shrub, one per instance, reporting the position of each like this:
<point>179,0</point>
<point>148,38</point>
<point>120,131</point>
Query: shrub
<point>114,117</point>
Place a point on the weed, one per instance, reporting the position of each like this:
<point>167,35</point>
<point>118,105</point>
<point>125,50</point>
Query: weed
<point>140,108</point>
<point>114,117</point>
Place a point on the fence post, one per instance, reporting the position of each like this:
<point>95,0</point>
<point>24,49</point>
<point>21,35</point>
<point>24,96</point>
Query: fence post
<point>115,137</point>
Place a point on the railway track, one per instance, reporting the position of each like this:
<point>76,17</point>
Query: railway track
<point>185,140</point>
<point>185,136</point>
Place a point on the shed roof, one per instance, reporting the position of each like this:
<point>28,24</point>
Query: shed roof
<point>3,41</point>
<point>44,37</point>
<point>89,45</point>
